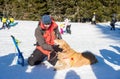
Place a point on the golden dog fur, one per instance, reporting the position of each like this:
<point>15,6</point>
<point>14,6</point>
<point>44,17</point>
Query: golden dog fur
<point>70,58</point>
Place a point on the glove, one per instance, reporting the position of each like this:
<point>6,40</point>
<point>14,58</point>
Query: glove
<point>57,49</point>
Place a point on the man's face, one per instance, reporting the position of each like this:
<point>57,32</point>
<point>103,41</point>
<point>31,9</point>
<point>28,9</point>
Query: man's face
<point>47,25</point>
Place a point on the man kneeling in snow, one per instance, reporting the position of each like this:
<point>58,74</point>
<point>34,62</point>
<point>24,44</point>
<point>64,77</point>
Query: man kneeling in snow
<point>45,34</point>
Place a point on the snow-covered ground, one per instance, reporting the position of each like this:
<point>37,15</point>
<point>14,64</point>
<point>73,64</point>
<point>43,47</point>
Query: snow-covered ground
<point>99,39</point>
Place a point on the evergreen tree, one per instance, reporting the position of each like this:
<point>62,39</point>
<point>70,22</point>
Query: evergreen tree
<point>76,10</point>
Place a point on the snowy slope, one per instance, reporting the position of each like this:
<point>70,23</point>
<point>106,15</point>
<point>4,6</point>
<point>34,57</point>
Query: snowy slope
<point>99,39</point>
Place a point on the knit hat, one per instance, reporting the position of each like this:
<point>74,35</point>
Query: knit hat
<point>46,19</point>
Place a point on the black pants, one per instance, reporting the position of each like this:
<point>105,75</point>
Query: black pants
<point>68,29</point>
<point>4,25</point>
<point>93,22</point>
<point>53,58</point>
<point>37,57</point>
<point>112,26</point>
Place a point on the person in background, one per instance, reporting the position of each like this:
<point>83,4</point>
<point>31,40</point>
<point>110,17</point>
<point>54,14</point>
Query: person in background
<point>112,23</point>
<point>11,21</point>
<point>4,21</point>
<point>61,28</point>
<point>45,34</point>
<point>67,25</point>
<point>94,19</point>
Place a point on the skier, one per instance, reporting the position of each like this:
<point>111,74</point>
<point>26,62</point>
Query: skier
<point>11,21</point>
<point>112,23</point>
<point>93,19</point>
<point>67,25</point>
<point>45,34</point>
<point>4,21</point>
<point>62,29</point>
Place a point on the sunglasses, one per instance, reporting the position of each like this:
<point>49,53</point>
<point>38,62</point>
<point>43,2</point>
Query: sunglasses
<point>47,23</point>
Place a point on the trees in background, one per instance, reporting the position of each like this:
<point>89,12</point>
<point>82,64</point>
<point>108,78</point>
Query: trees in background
<point>76,10</point>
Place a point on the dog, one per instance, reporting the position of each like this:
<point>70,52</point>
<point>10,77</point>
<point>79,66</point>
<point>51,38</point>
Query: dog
<point>70,58</point>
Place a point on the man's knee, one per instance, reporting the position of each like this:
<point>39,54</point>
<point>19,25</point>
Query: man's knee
<point>36,58</point>
<point>31,61</point>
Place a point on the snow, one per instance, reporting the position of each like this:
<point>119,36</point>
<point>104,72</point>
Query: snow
<point>98,39</point>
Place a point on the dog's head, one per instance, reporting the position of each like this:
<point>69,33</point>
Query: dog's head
<point>62,44</point>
